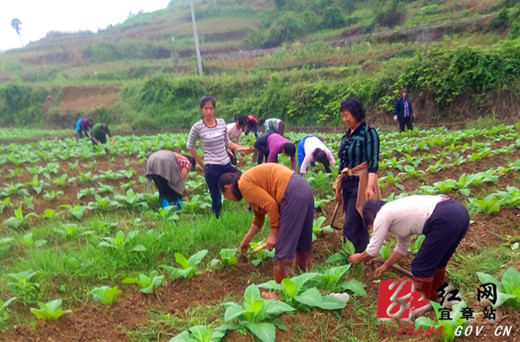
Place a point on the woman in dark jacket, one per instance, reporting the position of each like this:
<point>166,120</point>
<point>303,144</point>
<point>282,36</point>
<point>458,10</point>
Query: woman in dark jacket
<point>359,157</point>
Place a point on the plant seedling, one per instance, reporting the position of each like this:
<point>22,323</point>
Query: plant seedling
<point>189,266</point>
<point>147,283</point>
<point>105,294</point>
<point>49,311</point>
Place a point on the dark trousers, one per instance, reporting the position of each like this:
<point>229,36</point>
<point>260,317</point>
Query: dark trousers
<point>252,126</point>
<point>443,232</point>
<point>353,228</point>
<point>212,173</point>
<point>165,192</point>
<point>296,219</point>
<point>408,122</point>
<point>262,147</point>
<point>102,140</point>
<point>281,128</point>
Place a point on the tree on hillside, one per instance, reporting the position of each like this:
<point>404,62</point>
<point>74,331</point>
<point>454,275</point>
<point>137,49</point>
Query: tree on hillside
<point>15,23</point>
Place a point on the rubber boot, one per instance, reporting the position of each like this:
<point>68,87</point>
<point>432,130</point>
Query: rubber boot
<point>304,261</point>
<point>164,203</point>
<point>423,285</point>
<point>282,268</point>
<point>438,279</point>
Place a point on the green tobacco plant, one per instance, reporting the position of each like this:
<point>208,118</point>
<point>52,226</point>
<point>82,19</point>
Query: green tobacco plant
<point>256,315</point>
<point>62,180</point>
<point>19,218</point>
<point>22,286</point>
<point>103,204</point>
<point>169,213</point>
<point>341,257</point>
<point>131,200</point>
<point>5,245</point>
<point>68,230</point>
<point>49,311</point>
<point>228,257</point>
<point>488,205</point>
<point>263,254</point>
<point>36,185</point>
<point>85,192</point>
<point>4,312</point>
<point>317,228</point>
<point>27,241</point>
<point>77,211</point>
<point>508,288</point>
<point>4,204</point>
<point>332,280</point>
<point>147,283</point>
<point>194,204</point>
<point>448,326</point>
<point>105,294</point>
<point>189,266</point>
<point>416,245</point>
<point>110,175</point>
<point>385,251</point>
<point>103,188</point>
<point>295,293</point>
<point>200,333</point>
<point>122,241</point>
<point>13,190</point>
<point>52,195</point>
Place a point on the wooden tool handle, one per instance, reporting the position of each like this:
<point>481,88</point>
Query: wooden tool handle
<point>259,248</point>
<point>334,214</point>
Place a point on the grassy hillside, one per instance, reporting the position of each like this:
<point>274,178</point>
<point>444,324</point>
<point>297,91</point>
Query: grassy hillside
<point>287,58</point>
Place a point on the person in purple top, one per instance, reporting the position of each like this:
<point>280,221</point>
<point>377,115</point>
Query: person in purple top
<point>270,144</point>
<point>82,126</point>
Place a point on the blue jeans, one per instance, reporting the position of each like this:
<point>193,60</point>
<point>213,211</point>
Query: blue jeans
<point>212,173</point>
<point>300,151</point>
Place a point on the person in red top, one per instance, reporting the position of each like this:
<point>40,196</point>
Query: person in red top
<point>252,125</point>
<point>287,199</point>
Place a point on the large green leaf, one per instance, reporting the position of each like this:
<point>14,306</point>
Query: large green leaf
<point>310,297</point>
<point>181,260</point>
<point>266,332</point>
<point>251,294</point>
<point>233,311</point>
<point>486,278</point>
<point>303,278</point>
<point>332,303</point>
<point>290,287</point>
<point>196,258</point>
<point>273,307</point>
<point>510,280</point>
<point>355,286</point>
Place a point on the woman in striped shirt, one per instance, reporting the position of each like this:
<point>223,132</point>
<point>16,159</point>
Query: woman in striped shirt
<point>214,141</point>
<point>359,156</point>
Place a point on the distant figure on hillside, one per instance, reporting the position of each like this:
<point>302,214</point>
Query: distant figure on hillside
<point>252,125</point>
<point>273,125</point>
<point>168,170</point>
<point>270,144</point>
<point>99,134</point>
<point>83,126</point>
<point>404,111</point>
<point>310,150</point>
<point>234,131</point>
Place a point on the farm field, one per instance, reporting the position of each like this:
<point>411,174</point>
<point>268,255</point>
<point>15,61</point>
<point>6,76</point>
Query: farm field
<point>76,218</point>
